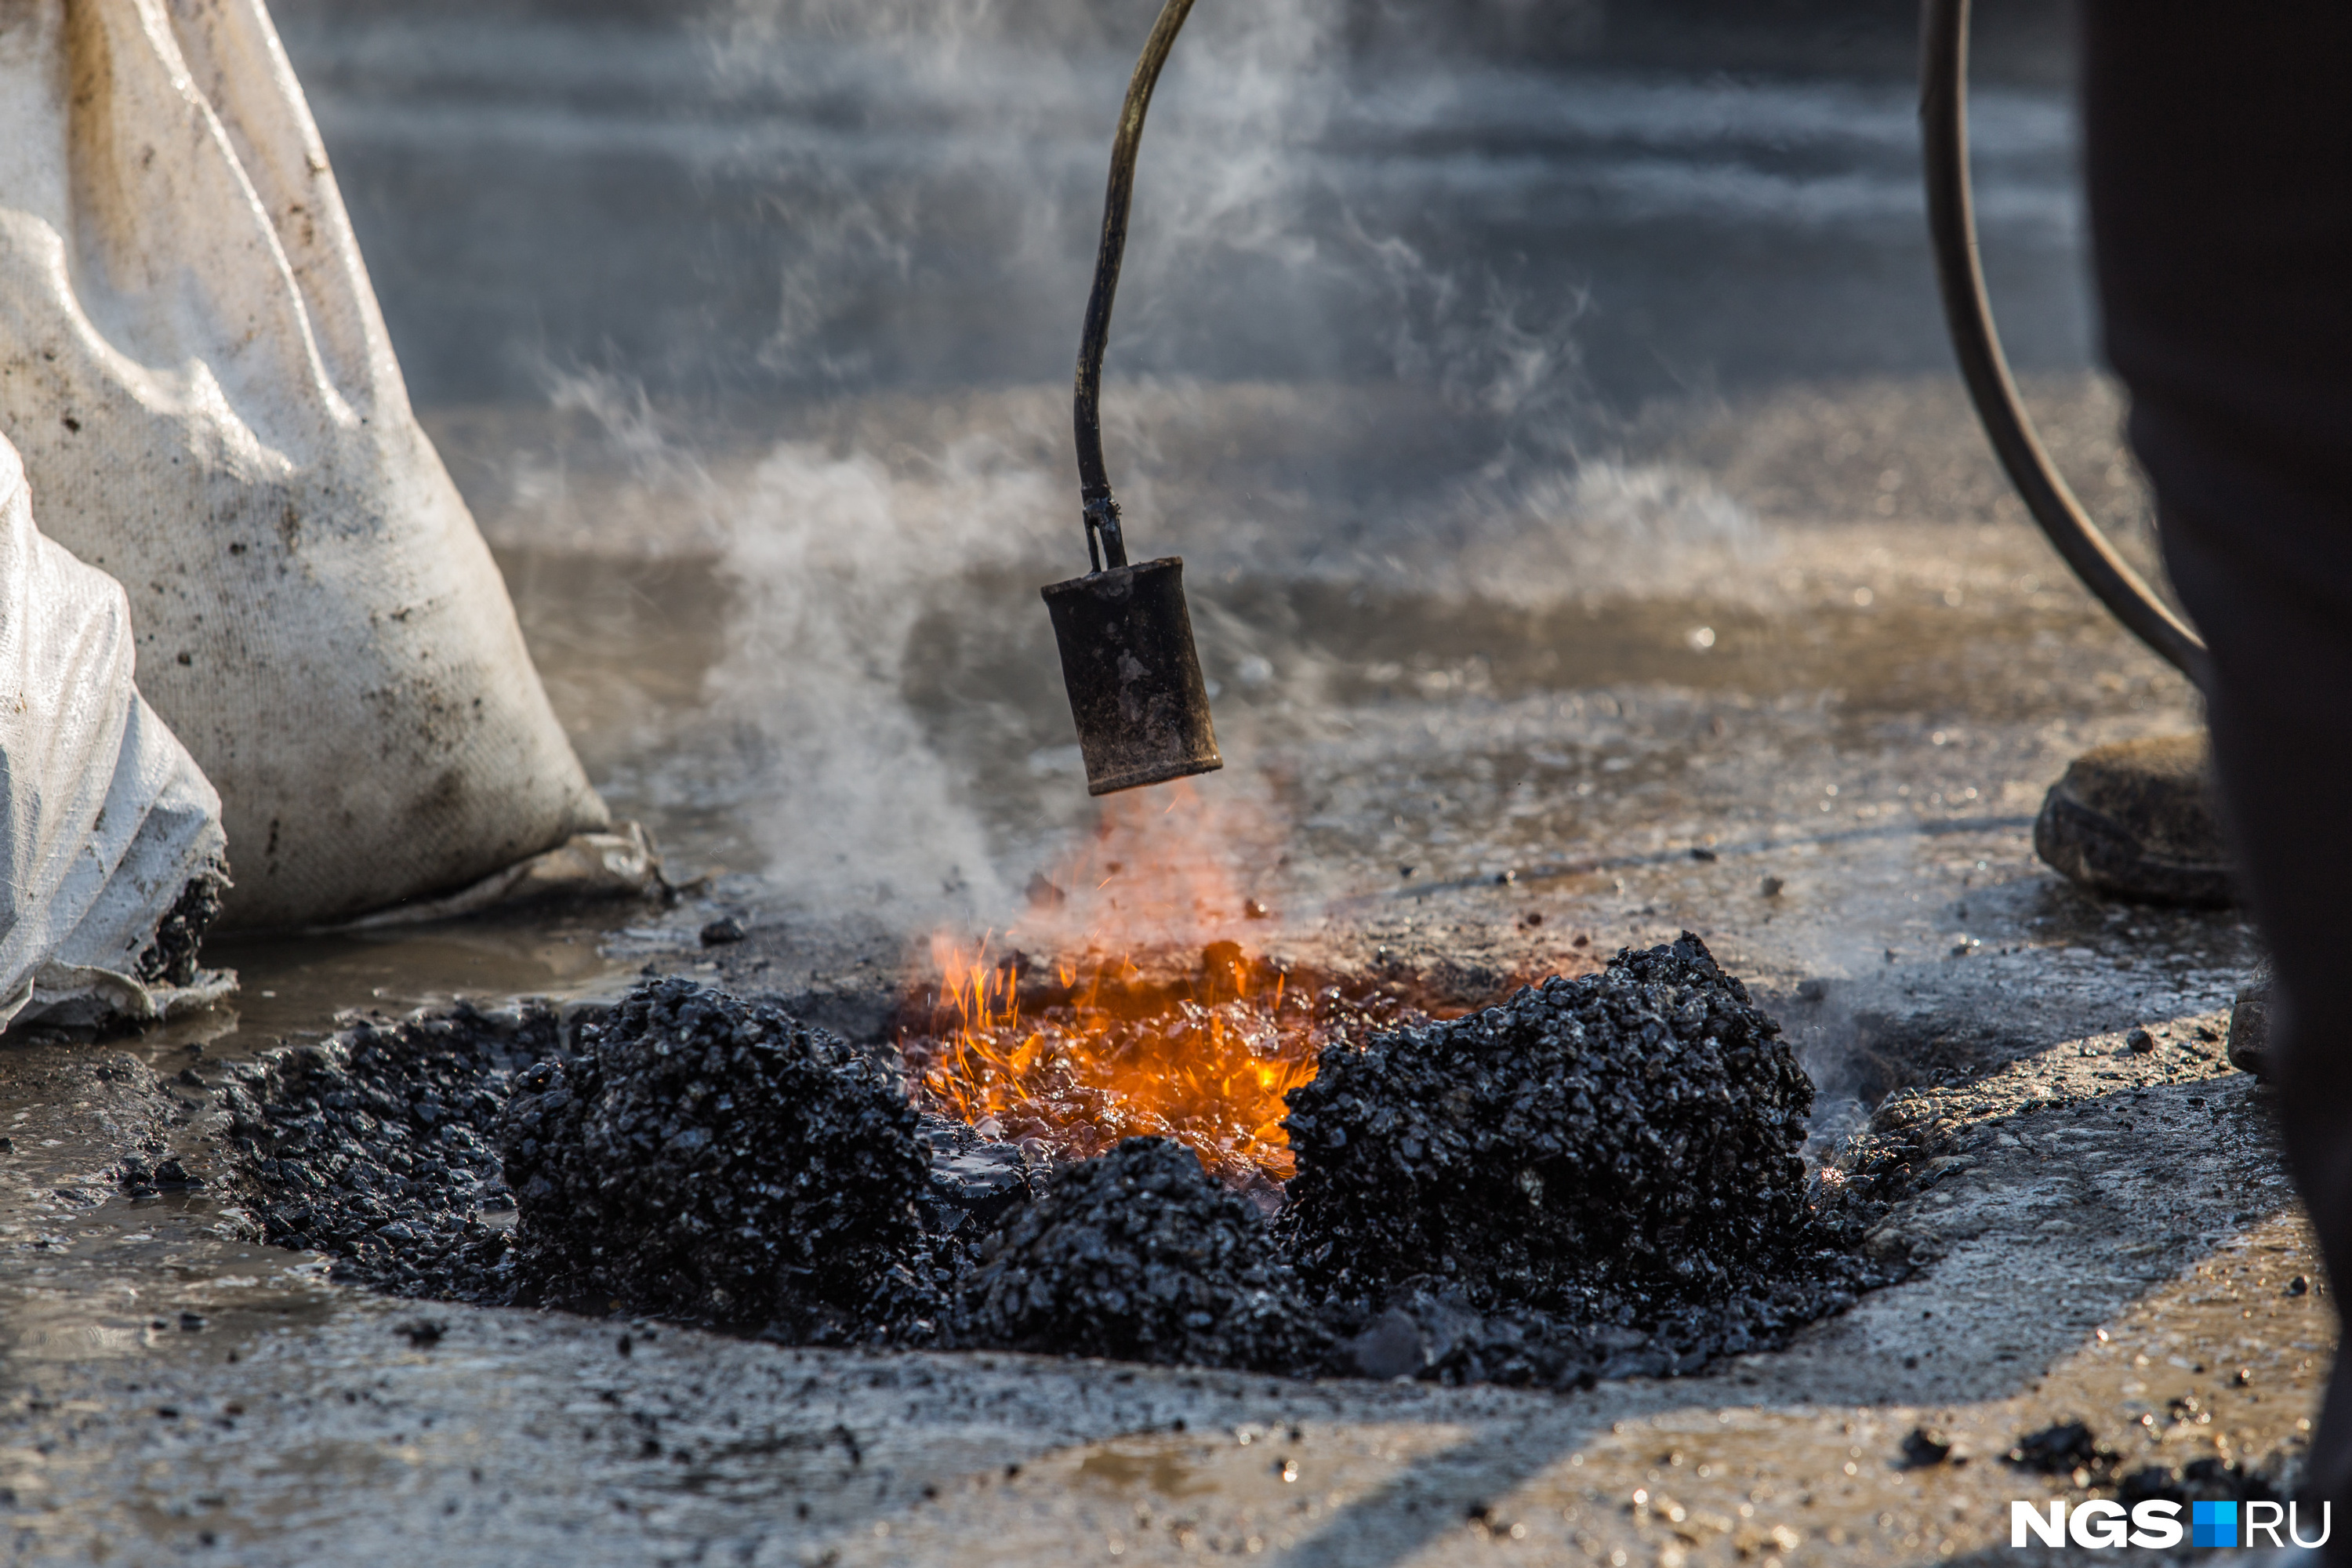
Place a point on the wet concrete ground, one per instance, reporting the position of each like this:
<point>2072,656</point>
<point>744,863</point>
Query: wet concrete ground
<point>2107,1234</point>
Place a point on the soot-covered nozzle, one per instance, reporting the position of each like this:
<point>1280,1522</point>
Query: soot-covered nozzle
<point>1134,680</point>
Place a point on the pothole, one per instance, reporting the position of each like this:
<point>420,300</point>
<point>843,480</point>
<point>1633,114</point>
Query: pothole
<point>1596,1177</point>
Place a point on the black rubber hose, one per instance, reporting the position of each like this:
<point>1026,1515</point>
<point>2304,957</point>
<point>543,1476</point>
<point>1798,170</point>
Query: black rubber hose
<point>1094,481</point>
<point>1967,313</point>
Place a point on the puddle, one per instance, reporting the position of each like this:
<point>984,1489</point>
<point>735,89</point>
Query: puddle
<point>155,1277</point>
<point>1251,1489</point>
<point>1149,1466</point>
<point>292,987</point>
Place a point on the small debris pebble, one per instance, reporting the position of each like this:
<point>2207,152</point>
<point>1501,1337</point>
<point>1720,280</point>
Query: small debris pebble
<point>2061,1448</point>
<point>1924,1446</point>
<point>142,1179</point>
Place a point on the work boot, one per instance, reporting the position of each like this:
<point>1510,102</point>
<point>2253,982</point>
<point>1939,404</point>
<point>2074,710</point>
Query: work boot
<point>2250,1022</point>
<point>2137,820</point>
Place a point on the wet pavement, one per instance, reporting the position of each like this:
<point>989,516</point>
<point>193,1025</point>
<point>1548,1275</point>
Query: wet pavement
<point>2104,1233</point>
<point>1768,656</point>
<point>2117,1255</point>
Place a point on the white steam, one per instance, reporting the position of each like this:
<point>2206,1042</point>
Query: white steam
<point>834,560</point>
<point>838,545</point>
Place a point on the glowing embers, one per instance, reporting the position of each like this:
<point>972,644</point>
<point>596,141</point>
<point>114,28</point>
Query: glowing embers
<point>1091,1051</point>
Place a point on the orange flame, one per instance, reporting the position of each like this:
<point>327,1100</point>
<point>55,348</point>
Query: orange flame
<point>1206,1060</point>
<point>1097,1048</point>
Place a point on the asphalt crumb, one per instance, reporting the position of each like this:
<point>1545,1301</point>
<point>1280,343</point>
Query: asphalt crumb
<point>1596,1178</point>
<point>170,958</point>
<point>704,1158</point>
<point>1141,1255</point>
<point>371,1147</point>
<point>2059,1449</point>
<point>1618,1150</point>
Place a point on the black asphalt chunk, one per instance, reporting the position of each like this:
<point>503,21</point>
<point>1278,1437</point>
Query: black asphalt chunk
<point>716,1161</point>
<point>370,1147</point>
<point>1924,1446</point>
<point>1626,1138</point>
<point>2060,1449</point>
<point>1139,1254</point>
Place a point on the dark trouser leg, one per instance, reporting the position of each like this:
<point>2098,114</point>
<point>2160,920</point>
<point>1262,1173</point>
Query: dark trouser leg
<point>2283,745</point>
<point>2218,147</point>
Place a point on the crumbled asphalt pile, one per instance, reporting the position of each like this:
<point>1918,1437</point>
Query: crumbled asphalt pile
<point>1139,1254</point>
<point>1623,1139</point>
<point>717,1161</point>
<point>2069,1451</point>
<point>1595,1179</point>
<point>370,1147</point>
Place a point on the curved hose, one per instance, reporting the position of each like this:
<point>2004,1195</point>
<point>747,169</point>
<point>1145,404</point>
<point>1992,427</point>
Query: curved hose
<point>1105,546</point>
<point>1967,313</point>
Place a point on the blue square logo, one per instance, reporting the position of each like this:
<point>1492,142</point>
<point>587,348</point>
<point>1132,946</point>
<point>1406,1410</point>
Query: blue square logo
<point>2213,1524</point>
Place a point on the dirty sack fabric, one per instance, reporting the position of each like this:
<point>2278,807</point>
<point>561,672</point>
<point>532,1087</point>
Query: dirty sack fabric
<point>109,836</point>
<point>195,368</point>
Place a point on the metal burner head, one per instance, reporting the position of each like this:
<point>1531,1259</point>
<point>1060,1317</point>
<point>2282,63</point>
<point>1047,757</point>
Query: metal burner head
<point>1133,676</point>
<point>1127,642</point>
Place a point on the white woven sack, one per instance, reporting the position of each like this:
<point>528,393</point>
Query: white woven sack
<point>108,831</point>
<point>194,366</point>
